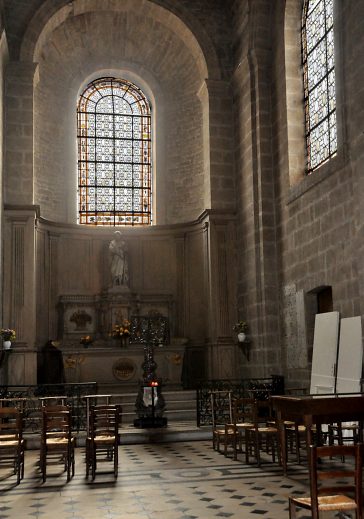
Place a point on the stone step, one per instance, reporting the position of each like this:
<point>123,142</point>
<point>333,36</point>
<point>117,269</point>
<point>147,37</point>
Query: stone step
<point>168,395</point>
<point>170,404</point>
<point>180,405</point>
<point>172,416</point>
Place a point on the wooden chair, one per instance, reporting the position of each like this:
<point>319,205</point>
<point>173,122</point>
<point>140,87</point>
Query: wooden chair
<point>264,435</point>
<point>91,401</point>
<point>57,442</point>
<point>345,479</point>
<point>243,418</point>
<point>296,438</point>
<point>11,440</point>
<point>221,411</point>
<point>345,432</point>
<point>102,441</point>
<point>46,401</point>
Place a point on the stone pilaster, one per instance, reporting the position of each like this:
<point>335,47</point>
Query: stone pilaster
<point>18,178</point>
<point>220,289</point>
<point>216,100</point>
<point>258,292</point>
<point>19,296</point>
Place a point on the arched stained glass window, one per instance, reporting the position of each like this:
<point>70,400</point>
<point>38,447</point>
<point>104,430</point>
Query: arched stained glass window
<point>114,154</point>
<point>319,80</point>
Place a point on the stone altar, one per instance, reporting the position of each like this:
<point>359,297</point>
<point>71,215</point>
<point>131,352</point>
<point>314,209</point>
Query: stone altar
<point>120,368</point>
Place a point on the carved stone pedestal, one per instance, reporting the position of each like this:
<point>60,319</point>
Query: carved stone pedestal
<point>150,402</point>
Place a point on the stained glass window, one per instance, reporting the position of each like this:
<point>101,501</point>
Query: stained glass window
<point>319,80</point>
<point>114,154</point>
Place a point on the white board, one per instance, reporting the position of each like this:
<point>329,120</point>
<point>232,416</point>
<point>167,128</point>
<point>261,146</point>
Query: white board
<point>350,359</point>
<point>324,355</point>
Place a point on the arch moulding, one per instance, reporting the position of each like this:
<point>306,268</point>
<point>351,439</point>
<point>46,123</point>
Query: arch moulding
<point>53,13</point>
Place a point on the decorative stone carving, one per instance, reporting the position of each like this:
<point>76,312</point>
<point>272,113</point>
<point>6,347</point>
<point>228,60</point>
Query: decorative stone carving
<point>78,316</point>
<point>81,319</point>
<point>124,369</point>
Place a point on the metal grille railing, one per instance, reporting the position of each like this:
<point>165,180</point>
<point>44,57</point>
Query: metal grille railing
<point>28,399</point>
<point>260,388</point>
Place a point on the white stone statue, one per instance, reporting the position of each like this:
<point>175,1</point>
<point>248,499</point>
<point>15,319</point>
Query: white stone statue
<point>119,261</point>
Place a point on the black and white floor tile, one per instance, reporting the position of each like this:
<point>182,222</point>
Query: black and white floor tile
<point>182,480</point>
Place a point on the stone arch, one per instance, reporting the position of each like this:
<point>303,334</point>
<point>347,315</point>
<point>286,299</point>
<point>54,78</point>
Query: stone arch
<point>53,13</point>
<point>80,48</point>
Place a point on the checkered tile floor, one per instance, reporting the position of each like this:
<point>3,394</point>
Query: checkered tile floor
<point>182,480</point>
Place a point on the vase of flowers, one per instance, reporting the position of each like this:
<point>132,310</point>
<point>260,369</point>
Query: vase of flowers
<point>121,332</point>
<point>86,340</point>
<point>241,327</point>
<point>7,335</point>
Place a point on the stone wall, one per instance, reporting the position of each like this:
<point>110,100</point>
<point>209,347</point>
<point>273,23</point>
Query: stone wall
<point>296,233</point>
<point>258,290</point>
<point>189,266</point>
<point>154,58</point>
<point>318,223</point>
<point>225,84</point>
<point>167,52</point>
<point>3,60</point>
<point>179,54</point>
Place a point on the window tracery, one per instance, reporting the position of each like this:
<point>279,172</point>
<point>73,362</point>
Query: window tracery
<point>319,80</point>
<point>114,154</point>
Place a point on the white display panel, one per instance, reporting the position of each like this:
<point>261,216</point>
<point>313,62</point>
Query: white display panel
<point>324,356</point>
<point>350,358</point>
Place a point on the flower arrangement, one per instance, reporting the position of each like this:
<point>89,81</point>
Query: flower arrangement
<point>121,330</point>
<point>8,334</point>
<point>241,327</point>
<point>86,340</point>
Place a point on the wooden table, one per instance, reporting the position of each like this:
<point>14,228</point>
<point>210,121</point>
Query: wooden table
<point>315,410</point>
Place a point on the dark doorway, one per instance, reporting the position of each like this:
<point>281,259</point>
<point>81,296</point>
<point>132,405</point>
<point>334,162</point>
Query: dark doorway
<point>324,300</point>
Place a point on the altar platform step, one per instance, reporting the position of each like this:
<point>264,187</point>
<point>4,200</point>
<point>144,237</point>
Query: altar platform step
<point>175,431</point>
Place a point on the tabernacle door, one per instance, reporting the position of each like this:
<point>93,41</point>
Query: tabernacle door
<point>324,357</point>
<point>350,359</point>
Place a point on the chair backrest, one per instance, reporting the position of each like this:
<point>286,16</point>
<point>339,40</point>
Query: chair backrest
<point>263,411</point>
<point>104,420</point>
<point>243,410</point>
<point>56,420</point>
<point>47,401</point>
<point>331,476</point>
<point>11,422</point>
<point>221,408</point>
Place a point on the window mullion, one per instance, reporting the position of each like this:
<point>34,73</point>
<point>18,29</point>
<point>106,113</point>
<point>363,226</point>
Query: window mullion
<point>113,150</point>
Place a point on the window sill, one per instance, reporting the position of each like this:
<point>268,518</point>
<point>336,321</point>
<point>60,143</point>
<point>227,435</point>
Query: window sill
<point>328,169</point>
